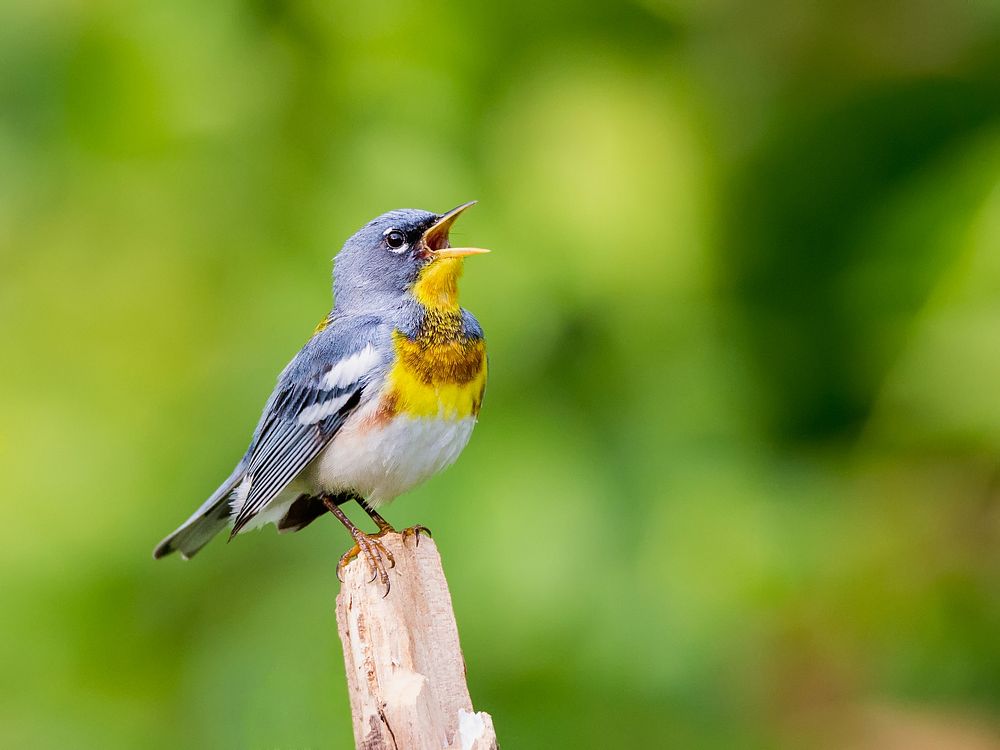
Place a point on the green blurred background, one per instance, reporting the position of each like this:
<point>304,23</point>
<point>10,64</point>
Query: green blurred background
<point>736,482</point>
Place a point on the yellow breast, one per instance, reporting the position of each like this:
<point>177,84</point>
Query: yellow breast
<point>439,371</point>
<point>437,378</point>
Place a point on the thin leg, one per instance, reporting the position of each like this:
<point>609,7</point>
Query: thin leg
<point>370,546</point>
<point>384,527</point>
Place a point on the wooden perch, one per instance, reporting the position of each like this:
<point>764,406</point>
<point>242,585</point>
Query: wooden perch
<point>405,671</point>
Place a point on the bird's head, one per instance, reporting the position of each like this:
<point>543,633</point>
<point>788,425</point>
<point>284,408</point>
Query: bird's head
<point>402,252</point>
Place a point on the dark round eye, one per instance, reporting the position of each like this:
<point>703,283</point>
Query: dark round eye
<point>395,239</point>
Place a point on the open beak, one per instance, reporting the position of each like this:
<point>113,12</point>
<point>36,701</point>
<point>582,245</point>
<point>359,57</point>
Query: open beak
<point>435,240</point>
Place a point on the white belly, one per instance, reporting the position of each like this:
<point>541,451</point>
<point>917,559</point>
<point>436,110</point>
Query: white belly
<point>380,463</point>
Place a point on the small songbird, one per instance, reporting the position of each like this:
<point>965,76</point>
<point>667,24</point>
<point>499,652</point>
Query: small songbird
<point>383,395</point>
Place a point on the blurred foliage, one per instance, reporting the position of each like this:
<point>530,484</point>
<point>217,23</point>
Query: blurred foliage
<point>736,482</point>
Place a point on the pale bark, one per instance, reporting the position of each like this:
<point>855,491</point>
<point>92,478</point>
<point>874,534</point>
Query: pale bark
<point>405,671</point>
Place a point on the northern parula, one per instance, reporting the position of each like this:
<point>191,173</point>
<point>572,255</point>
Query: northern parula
<point>384,395</point>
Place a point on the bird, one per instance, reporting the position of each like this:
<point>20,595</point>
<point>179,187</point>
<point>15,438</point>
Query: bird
<point>383,395</point>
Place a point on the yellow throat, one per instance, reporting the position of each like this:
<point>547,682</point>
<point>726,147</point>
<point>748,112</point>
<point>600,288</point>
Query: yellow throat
<point>441,371</point>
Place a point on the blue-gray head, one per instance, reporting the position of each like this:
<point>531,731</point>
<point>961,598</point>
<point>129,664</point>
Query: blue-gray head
<point>401,252</point>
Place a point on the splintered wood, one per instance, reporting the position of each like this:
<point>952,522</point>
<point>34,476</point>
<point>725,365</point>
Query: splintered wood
<point>405,671</point>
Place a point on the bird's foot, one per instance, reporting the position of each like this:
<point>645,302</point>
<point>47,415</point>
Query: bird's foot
<point>375,554</point>
<point>415,532</point>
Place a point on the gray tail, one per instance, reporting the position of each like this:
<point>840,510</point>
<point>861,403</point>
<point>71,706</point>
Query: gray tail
<point>211,518</point>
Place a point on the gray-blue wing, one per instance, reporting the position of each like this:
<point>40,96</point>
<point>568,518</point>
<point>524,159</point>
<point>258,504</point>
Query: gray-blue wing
<point>315,395</point>
<point>286,449</point>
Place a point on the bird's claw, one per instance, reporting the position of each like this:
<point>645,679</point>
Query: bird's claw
<point>375,552</point>
<point>415,532</point>
<point>371,546</point>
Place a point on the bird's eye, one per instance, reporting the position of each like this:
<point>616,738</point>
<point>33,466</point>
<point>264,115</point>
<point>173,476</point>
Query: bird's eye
<point>395,239</point>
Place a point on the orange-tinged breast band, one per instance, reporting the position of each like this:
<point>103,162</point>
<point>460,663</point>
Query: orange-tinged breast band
<point>444,379</point>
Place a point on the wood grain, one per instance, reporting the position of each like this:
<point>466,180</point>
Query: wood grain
<point>405,670</point>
